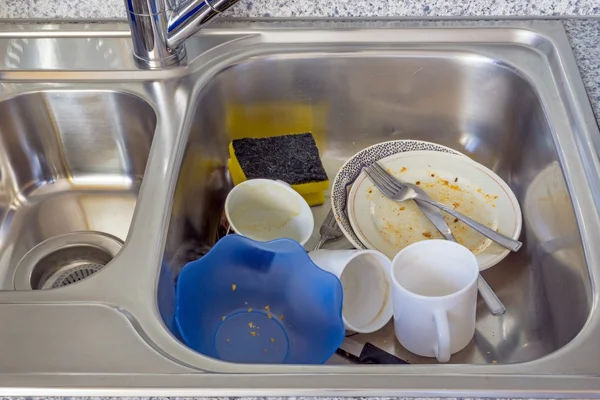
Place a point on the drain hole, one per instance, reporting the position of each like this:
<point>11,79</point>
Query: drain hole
<point>68,265</point>
<point>63,260</point>
<point>74,275</point>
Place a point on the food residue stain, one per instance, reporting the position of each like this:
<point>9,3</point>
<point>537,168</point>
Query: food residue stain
<point>250,310</point>
<point>233,287</point>
<point>401,224</point>
<point>253,333</point>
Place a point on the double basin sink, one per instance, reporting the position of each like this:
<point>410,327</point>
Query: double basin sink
<point>88,142</point>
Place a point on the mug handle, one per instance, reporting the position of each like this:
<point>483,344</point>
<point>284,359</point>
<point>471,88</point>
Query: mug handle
<point>443,334</point>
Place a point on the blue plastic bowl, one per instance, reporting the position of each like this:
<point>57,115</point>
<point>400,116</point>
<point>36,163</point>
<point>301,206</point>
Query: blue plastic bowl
<point>259,302</point>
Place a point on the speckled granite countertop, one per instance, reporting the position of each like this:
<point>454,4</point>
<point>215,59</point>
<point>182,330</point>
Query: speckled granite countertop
<point>316,8</point>
<point>584,35</point>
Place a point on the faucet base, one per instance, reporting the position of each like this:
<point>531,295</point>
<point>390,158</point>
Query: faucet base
<point>177,57</point>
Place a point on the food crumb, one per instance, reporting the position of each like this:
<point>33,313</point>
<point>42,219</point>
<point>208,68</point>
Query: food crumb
<point>250,310</point>
<point>455,179</point>
<point>427,234</point>
<point>494,362</point>
<point>433,175</point>
<point>403,169</point>
<point>253,333</point>
<point>268,308</point>
<point>417,182</point>
<point>223,318</point>
<point>269,315</point>
<point>370,190</point>
<point>456,205</point>
<point>402,208</point>
<point>227,340</point>
<point>233,287</point>
<point>281,317</point>
<point>250,324</point>
<point>272,340</point>
<point>455,220</point>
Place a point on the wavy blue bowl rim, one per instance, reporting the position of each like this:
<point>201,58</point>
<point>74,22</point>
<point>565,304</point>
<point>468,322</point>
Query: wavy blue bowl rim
<point>265,245</point>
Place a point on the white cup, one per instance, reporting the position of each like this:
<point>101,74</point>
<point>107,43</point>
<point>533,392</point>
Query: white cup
<point>263,210</point>
<point>434,291</point>
<point>365,278</point>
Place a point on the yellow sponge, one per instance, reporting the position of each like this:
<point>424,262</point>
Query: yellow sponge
<point>292,158</point>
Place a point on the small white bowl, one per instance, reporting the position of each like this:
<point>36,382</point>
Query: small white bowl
<point>264,210</point>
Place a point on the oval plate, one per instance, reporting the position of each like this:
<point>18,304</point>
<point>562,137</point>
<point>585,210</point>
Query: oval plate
<point>457,181</point>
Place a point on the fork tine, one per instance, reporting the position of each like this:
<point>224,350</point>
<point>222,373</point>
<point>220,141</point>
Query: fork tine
<point>384,189</point>
<point>389,178</point>
<point>382,179</point>
<point>330,219</point>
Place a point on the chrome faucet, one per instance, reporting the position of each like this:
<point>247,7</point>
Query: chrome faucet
<point>159,28</point>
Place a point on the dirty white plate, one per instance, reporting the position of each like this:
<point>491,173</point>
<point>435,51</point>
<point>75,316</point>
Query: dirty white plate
<point>457,181</point>
<point>352,168</point>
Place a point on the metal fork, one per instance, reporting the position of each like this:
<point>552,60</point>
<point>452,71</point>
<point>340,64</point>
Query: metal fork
<point>329,230</point>
<point>397,190</point>
<point>490,298</point>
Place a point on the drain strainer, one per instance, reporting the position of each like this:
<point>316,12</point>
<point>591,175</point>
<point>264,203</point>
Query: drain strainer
<point>66,259</point>
<point>71,275</point>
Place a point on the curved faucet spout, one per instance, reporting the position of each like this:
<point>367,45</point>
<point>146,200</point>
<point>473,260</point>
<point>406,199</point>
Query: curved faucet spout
<point>159,28</point>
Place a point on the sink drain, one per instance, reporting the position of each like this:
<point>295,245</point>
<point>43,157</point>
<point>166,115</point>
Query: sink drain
<point>71,275</point>
<point>65,259</point>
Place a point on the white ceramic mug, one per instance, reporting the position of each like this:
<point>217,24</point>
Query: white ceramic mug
<point>365,278</point>
<point>264,210</point>
<point>434,291</point>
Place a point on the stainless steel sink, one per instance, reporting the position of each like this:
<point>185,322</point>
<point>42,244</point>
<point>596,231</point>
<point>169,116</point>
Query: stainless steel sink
<point>70,161</point>
<point>507,94</point>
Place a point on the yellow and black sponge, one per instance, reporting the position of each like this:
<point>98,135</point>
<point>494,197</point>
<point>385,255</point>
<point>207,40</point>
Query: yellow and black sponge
<point>290,158</point>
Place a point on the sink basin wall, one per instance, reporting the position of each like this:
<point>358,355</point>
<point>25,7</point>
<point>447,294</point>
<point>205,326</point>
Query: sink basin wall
<point>69,161</point>
<point>353,100</point>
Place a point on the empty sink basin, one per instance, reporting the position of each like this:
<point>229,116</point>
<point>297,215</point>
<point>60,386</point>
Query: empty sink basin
<point>70,161</point>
